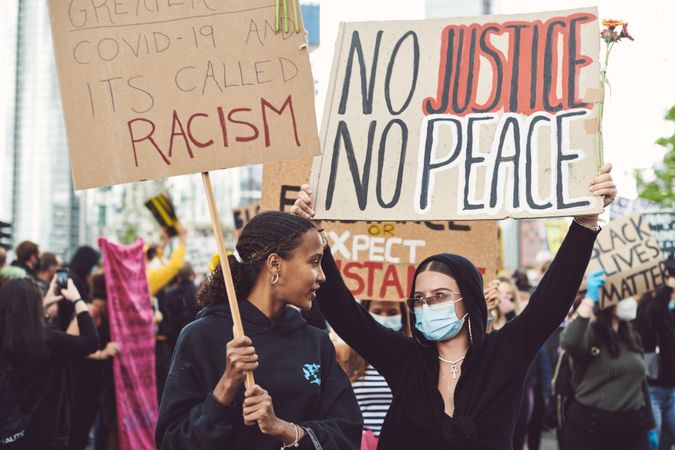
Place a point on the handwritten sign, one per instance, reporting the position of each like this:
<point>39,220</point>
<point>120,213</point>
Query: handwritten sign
<point>243,215</point>
<point>630,257</point>
<point>662,226</point>
<point>130,310</point>
<point>378,259</point>
<point>461,118</point>
<point>154,89</point>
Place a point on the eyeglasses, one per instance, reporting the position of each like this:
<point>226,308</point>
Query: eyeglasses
<point>436,299</point>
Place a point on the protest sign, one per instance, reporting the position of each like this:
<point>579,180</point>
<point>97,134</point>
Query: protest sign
<point>662,226</point>
<point>164,213</point>
<point>130,312</point>
<point>378,259</point>
<point>622,206</point>
<point>630,257</point>
<point>462,118</point>
<point>156,89</point>
<point>243,215</point>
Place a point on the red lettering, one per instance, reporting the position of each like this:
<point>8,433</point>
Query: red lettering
<point>189,132</point>
<point>349,273</point>
<point>391,280</point>
<point>148,136</point>
<point>371,266</point>
<point>181,132</point>
<point>253,128</point>
<point>287,104</point>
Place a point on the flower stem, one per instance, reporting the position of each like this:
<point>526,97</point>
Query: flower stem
<point>601,109</point>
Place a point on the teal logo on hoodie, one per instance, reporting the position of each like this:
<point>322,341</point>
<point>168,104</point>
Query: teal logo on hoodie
<point>312,372</point>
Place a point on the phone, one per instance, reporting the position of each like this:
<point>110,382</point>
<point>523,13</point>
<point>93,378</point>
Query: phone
<point>62,276</point>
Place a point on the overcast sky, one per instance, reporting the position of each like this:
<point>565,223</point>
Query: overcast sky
<point>641,73</point>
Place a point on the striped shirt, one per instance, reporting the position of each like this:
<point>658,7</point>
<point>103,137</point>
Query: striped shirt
<point>374,397</point>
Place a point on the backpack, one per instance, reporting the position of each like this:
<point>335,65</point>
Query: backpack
<point>562,390</point>
<point>13,421</point>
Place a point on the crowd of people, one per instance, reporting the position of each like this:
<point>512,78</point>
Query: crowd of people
<point>464,363</point>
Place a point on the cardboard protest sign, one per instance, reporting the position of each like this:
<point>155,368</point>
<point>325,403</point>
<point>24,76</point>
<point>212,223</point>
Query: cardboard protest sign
<point>155,89</point>
<point>662,226</point>
<point>622,206</point>
<point>378,259</point>
<point>130,311</point>
<point>243,215</point>
<point>630,257</point>
<point>462,118</point>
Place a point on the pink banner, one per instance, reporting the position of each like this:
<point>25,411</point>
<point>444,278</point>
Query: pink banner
<point>130,311</point>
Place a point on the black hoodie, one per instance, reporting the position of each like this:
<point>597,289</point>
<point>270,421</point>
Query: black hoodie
<point>488,393</point>
<point>297,368</point>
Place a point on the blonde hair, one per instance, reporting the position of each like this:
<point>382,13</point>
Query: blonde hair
<point>518,301</point>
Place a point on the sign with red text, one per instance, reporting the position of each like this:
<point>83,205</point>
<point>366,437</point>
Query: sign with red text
<point>155,89</point>
<point>378,259</point>
<point>630,257</point>
<point>462,118</point>
<point>130,311</point>
<point>243,215</point>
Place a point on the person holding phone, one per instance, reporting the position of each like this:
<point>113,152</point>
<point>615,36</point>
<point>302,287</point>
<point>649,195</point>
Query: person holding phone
<point>38,357</point>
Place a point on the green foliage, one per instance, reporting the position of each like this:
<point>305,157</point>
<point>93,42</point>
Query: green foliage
<point>660,189</point>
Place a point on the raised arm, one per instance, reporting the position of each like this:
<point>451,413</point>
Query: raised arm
<point>553,298</point>
<point>385,349</point>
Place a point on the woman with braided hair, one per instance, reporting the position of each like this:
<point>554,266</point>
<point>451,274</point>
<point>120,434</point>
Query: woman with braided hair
<point>303,399</point>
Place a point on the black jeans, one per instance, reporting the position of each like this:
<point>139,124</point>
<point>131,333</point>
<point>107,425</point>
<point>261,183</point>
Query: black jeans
<point>593,429</point>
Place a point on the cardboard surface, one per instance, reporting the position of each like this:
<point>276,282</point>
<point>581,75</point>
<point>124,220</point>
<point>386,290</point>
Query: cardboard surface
<point>630,257</point>
<point>155,89</point>
<point>461,118</point>
<point>378,259</point>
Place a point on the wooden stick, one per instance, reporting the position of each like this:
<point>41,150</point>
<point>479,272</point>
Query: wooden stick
<point>225,265</point>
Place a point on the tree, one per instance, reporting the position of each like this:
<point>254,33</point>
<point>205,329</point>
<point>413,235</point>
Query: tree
<point>660,189</point>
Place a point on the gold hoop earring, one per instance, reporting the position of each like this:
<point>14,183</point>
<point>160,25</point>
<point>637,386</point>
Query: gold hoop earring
<point>275,279</point>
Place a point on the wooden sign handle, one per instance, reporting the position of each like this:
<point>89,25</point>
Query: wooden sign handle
<point>225,265</point>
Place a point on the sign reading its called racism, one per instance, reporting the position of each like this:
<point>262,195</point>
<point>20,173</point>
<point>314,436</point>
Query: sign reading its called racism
<point>630,257</point>
<point>152,89</point>
<point>462,118</point>
<point>378,259</point>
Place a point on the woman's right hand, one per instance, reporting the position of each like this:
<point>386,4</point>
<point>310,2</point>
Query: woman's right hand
<point>304,206</point>
<point>241,358</point>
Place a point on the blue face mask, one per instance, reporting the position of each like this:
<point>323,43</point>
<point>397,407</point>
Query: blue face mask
<point>438,322</point>
<point>671,305</point>
<point>391,322</point>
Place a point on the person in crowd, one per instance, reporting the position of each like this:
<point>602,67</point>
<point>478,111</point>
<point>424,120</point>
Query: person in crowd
<point>27,255</point>
<point>530,423</point>
<point>160,274</point>
<point>656,326</point>
<point>179,305</point>
<point>3,262</point>
<point>372,392</point>
<point>49,263</point>
<point>86,373</point>
<point>454,386</point>
<point>38,356</point>
<point>505,305</point>
<point>301,398</point>
<point>610,408</point>
<point>522,282</point>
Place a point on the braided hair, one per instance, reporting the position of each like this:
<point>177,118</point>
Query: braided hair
<point>267,233</point>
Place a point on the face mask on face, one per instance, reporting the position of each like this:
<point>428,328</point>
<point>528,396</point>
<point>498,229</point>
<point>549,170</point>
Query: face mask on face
<point>438,322</point>
<point>391,322</point>
<point>671,305</point>
<point>626,309</point>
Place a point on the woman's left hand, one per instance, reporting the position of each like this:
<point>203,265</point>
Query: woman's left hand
<point>258,409</point>
<point>602,186</point>
<point>492,297</point>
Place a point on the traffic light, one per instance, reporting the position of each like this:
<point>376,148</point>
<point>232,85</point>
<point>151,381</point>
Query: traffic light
<point>5,235</point>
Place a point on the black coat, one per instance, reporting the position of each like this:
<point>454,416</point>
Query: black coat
<point>191,418</point>
<point>489,391</point>
<point>656,326</point>
<point>50,386</point>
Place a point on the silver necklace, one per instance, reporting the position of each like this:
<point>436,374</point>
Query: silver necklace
<point>453,365</point>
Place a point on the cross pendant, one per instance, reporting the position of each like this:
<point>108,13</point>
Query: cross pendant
<point>454,371</point>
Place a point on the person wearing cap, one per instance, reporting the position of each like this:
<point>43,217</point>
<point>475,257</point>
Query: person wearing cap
<point>453,385</point>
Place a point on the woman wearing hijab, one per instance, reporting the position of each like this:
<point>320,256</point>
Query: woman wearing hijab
<point>454,386</point>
